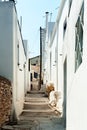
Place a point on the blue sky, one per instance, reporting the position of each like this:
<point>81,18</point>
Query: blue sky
<point>33,16</point>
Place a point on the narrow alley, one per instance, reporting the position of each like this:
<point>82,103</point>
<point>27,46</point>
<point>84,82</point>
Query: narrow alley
<point>37,114</point>
<point>47,89</point>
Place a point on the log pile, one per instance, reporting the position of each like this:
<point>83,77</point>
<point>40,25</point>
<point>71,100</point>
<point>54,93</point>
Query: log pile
<point>5,100</point>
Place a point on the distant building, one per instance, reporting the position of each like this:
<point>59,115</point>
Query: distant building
<point>13,55</point>
<point>34,68</point>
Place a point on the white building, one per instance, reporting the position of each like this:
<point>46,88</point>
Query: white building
<point>68,60</point>
<point>13,60</point>
<point>45,36</point>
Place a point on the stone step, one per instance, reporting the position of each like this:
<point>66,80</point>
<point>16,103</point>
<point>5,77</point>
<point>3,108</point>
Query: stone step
<point>36,96</point>
<point>36,103</point>
<point>36,106</point>
<point>36,92</point>
<point>29,99</point>
<point>21,127</point>
<point>38,110</point>
<point>37,114</point>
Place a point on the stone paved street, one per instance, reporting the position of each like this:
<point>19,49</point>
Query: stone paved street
<point>37,114</point>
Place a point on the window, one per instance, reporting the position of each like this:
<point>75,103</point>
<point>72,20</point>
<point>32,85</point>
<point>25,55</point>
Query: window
<point>18,54</point>
<point>64,27</point>
<point>29,65</point>
<point>35,75</point>
<point>50,64</point>
<point>79,39</point>
<point>70,4</point>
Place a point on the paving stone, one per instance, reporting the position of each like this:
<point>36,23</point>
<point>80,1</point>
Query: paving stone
<point>38,115</point>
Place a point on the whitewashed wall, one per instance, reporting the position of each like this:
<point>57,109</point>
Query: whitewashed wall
<point>61,40</point>
<point>19,70</point>
<point>74,91</point>
<point>76,94</point>
<point>26,73</point>
<point>6,54</point>
<point>75,81</point>
<point>10,37</point>
<point>53,67</point>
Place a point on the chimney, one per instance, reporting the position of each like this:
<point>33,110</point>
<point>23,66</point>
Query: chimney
<point>47,13</point>
<point>12,0</point>
<point>50,16</point>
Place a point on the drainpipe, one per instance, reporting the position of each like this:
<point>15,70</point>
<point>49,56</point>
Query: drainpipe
<point>40,57</point>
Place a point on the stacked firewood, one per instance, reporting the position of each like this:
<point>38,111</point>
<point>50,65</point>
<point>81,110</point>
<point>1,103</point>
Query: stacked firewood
<point>5,100</point>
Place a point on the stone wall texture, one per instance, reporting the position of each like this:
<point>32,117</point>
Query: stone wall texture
<point>5,100</point>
